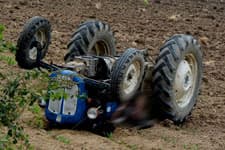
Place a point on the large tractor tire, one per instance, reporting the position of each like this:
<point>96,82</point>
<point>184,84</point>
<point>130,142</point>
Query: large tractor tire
<point>37,29</point>
<point>127,74</point>
<point>91,38</point>
<point>177,77</point>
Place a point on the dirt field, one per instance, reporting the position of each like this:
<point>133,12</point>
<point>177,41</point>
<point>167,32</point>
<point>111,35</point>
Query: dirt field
<point>143,26</point>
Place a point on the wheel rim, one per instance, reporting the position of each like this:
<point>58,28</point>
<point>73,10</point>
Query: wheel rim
<point>185,80</point>
<point>100,49</point>
<point>40,37</point>
<point>131,77</point>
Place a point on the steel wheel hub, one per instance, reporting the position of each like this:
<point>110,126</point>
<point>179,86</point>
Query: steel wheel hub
<point>185,80</point>
<point>131,77</point>
<point>100,49</point>
<point>41,38</point>
<point>33,53</point>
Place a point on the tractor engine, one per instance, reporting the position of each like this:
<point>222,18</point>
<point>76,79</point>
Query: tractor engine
<point>95,67</point>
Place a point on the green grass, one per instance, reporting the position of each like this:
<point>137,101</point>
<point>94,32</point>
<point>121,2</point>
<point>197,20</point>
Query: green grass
<point>146,2</point>
<point>191,147</point>
<point>133,147</point>
<point>2,28</point>
<point>169,139</point>
<point>5,46</point>
<point>110,136</point>
<point>63,139</point>
<point>9,60</point>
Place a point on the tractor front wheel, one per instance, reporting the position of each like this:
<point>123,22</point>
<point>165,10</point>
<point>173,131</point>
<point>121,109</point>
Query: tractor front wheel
<point>36,30</point>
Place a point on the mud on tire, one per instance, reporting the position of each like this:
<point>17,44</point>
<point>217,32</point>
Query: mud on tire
<point>176,74</point>
<point>127,74</point>
<point>36,29</point>
<point>93,38</point>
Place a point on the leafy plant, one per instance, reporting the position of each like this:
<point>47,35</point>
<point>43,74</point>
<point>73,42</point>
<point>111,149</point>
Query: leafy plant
<point>8,141</point>
<point>11,100</point>
<point>37,120</point>
<point>16,95</point>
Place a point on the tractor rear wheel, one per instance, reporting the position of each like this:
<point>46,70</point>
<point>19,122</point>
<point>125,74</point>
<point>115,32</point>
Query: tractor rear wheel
<point>91,38</point>
<point>177,77</point>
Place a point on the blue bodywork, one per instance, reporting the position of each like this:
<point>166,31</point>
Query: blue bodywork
<point>81,101</point>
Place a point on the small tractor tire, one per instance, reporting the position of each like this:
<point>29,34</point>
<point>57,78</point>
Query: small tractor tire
<point>36,29</point>
<point>127,75</point>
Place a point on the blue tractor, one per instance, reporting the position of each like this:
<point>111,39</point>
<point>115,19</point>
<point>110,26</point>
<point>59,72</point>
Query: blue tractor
<point>94,80</point>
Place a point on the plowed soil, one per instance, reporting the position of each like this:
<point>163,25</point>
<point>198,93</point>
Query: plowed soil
<point>136,24</point>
